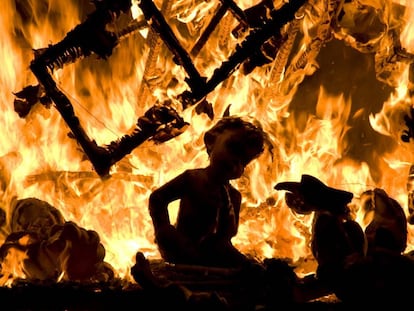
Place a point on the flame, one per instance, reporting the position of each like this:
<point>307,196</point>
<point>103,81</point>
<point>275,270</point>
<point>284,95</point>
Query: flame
<point>39,159</point>
<point>12,265</point>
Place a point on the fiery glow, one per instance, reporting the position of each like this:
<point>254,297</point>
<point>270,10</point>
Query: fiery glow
<point>39,159</point>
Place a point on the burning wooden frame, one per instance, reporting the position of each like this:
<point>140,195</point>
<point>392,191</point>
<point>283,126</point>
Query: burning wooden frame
<point>161,122</point>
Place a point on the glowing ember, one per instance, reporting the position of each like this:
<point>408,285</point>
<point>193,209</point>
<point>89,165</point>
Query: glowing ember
<point>332,100</point>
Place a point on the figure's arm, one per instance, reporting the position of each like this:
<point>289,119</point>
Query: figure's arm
<point>229,223</point>
<point>171,243</point>
<point>162,197</point>
<point>236,198</point>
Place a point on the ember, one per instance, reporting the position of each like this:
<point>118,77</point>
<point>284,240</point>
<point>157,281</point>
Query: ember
<point>105,100</point>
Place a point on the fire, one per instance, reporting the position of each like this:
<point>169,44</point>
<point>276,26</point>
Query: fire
<point>39,159</point>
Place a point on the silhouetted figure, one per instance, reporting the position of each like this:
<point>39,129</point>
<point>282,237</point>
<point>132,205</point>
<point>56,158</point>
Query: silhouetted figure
<point>208,215</point>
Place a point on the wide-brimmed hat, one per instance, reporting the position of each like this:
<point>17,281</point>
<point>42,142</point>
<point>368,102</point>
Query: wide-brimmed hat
<point>316,194</point>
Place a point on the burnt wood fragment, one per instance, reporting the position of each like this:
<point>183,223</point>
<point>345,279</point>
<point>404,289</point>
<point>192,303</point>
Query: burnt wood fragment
<point>86,38</point>
<point>223,8</point>
<point>408,133</point>
<point>28,97</point>
<point>267,28</point>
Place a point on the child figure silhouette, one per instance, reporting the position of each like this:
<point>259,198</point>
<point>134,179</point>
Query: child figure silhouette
<point>208,215</point>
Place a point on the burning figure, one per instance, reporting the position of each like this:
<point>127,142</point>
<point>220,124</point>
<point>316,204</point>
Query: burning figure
<point>358,265</point>
<point>208,216</point>
<point>335,235</point>
<point>51,246</point>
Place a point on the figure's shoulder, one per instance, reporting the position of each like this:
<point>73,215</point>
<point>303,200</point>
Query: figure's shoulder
<point>195,173</point>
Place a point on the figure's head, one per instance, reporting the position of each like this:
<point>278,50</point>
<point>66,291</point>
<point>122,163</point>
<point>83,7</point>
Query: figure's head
<point>232,143</point>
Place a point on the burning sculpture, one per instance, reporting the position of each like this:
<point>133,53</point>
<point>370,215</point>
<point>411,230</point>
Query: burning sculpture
<point>341,246</point>
<point>331,81</point>
<point>208,217</point>
<point>55,248</point>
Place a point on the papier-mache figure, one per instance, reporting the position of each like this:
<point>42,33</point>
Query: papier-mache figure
<point>54,248</point>
<point>359,265</point>
<point>208,216</point>
<point>335,235</point>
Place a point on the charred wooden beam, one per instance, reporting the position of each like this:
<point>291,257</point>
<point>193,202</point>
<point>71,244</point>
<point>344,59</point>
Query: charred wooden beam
<point>235,10</point>
<point>268,28</point>
<point>86,38</point>
<point>220,12</point>
<point>159,24</point>
<point>55,57</point>
<point>155,43</point>
<point>198,85</point>
<point>160,123</point>
<point>89,37</point>
<point>57,176</point>
<point>99,157</point>
<point>160,120</point>
<point>223,8</point>
<point>409,122</point>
